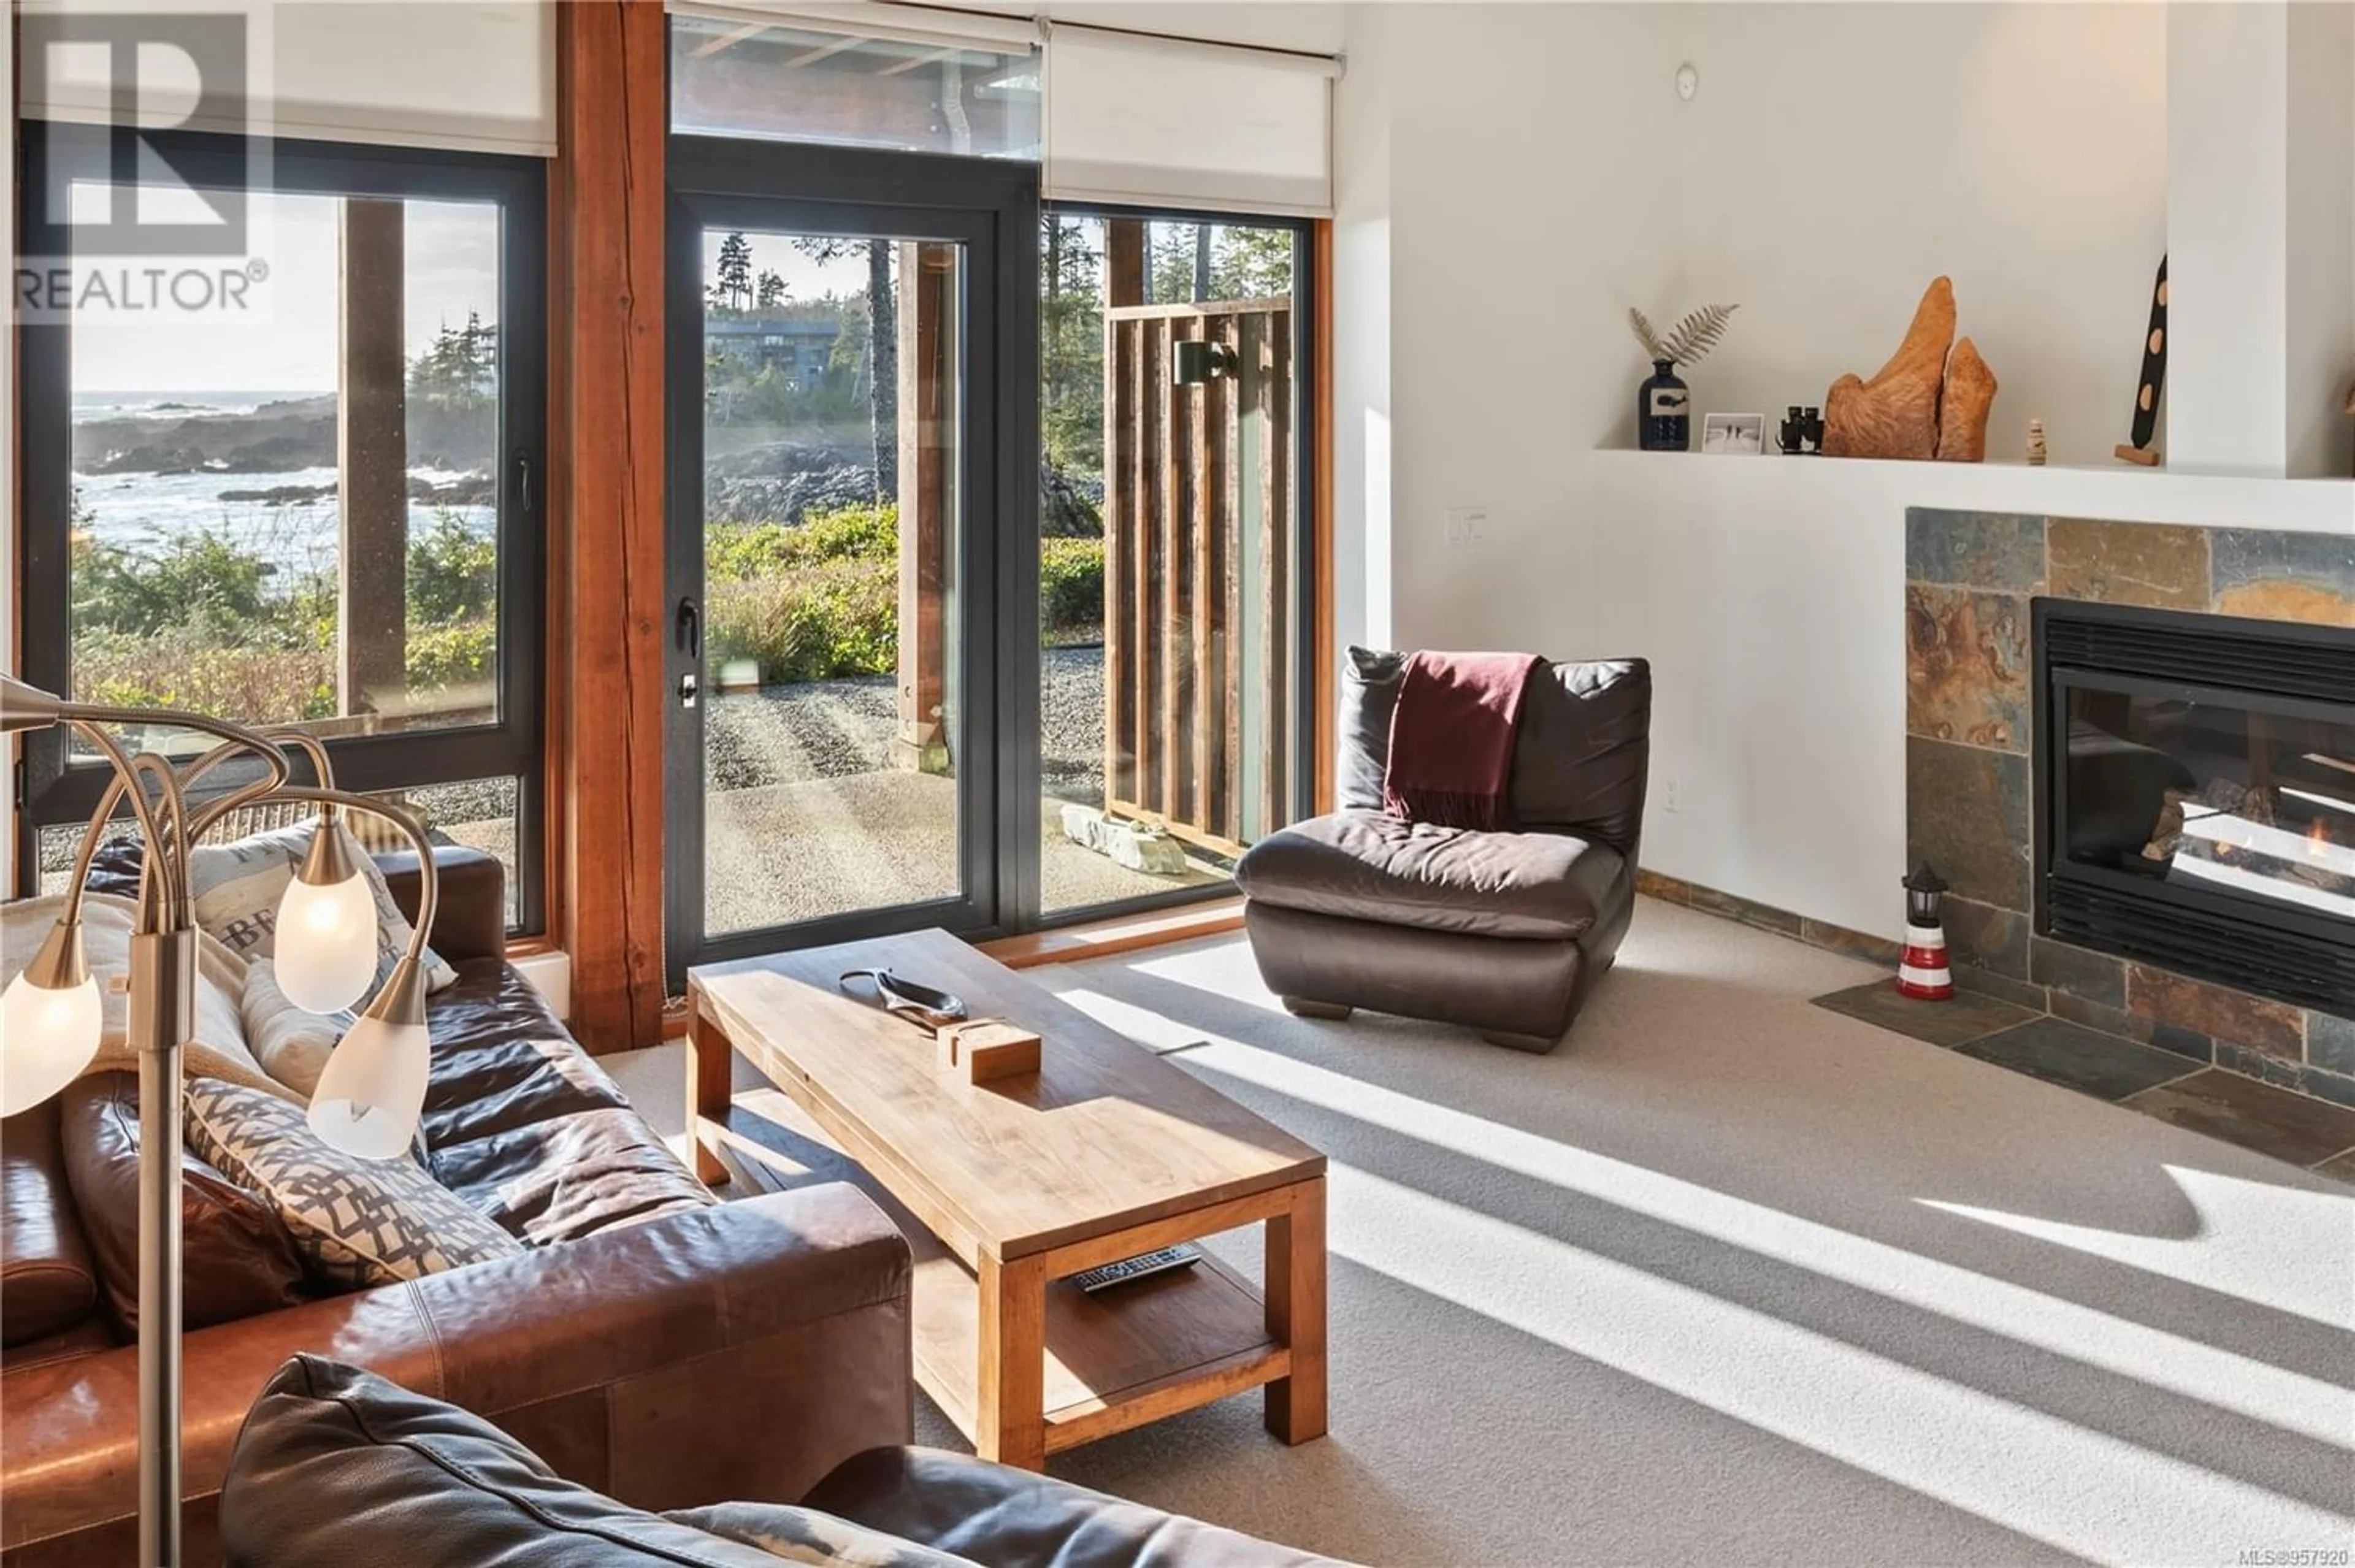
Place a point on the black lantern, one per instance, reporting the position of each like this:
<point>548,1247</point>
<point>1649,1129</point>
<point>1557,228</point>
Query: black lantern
<point>1924,890</point>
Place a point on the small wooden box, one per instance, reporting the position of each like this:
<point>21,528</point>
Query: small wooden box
<point>984,1050</point>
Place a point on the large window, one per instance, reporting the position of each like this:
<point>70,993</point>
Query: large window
<point>313,504</point>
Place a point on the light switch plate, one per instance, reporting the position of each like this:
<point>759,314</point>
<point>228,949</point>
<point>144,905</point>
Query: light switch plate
<point>1465,526</point>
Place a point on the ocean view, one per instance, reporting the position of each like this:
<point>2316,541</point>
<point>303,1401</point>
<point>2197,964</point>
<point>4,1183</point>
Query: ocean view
<point>253,469</point>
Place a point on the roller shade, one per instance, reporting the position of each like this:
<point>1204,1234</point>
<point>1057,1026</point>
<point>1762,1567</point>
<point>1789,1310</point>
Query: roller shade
<point>1156,121</point>
<point>471,74</point>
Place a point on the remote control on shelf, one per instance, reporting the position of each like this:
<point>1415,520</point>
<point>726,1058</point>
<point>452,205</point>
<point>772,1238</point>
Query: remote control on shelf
<point>1182,1255</point>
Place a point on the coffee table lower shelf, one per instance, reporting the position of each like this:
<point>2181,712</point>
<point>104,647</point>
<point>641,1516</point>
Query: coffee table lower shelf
<point>1120,1359</point>
<point>1114,1361</point>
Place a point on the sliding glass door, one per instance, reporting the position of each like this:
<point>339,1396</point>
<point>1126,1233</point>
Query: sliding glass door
<point>845,546</point>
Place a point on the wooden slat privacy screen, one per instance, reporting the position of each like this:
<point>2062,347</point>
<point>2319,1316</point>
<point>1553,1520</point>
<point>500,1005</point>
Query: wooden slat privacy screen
<point>1200,644</point>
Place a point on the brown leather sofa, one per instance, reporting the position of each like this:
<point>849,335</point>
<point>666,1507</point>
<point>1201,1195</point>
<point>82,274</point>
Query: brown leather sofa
<point>650,1342</point>
<point>1505,932</point>
<point>336,1466</point>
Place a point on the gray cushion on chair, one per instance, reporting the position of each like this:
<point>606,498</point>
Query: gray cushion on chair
<point>1364,865</point>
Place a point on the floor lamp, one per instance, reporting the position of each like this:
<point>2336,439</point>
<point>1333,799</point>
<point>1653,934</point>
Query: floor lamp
<point>373,1086</point>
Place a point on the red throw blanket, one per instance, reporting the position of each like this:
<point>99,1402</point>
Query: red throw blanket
<point>1452,738</point>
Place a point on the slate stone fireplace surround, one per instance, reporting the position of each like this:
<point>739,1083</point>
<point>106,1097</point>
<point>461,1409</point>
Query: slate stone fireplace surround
<point>2217,928</point>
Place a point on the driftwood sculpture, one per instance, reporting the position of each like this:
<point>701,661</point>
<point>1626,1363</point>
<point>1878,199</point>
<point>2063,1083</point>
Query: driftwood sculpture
<point>1904,411</point>
<point>1895,414</point>
<point>1964,405</point>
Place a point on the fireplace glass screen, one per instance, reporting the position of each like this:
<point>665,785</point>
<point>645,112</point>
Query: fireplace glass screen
<point>2213,793</point>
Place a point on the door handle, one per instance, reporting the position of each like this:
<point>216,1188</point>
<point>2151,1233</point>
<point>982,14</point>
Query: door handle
<point>688,629</point>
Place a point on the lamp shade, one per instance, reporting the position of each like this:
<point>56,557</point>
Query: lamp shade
<point>326,943</point>
<point>327,936</point>
<point>50,1021</point>
<point>373,1087</point>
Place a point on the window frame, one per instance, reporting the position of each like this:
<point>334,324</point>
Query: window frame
<point>48,791</point>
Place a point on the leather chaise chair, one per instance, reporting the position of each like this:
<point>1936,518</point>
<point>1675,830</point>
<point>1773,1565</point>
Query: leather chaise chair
<point>1505,933</point>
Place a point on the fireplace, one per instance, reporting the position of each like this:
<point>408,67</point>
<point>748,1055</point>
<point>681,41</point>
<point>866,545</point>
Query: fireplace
<point>2195,795</point>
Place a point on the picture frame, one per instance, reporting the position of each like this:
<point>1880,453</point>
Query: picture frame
<point>1733,435</point>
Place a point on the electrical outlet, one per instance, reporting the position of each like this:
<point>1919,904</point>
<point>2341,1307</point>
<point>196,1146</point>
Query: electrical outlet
<point>1672,795</point>
<point>1465,526</point>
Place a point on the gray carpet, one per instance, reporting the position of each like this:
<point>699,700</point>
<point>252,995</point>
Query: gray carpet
<point>1731,1279</point>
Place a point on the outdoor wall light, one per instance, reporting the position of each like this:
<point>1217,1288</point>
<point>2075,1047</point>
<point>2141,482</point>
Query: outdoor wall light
<point>1198,360</point>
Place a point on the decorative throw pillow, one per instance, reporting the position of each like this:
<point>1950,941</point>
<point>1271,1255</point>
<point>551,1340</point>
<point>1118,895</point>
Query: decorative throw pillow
<point>359,1223</point>
<point>292,1045</point>
<point>238,887</point>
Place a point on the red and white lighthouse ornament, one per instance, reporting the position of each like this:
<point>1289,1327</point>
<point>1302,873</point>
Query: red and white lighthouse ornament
<point>1922,973</point>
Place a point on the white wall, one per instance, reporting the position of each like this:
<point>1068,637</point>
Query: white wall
<point>1519,229</point>
<point>1837,157</point>
<point>2321,261</point>
<point>1362,352</point>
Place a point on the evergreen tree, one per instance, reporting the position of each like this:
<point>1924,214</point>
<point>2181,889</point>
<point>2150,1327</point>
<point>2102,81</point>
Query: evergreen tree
<point>1071,344</point>
<point>772,290</point>
<point>460,367</point>
<point>731,286</point>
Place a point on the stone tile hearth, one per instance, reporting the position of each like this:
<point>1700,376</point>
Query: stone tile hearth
<point>2294,1128</point>
<point>1971,782</point>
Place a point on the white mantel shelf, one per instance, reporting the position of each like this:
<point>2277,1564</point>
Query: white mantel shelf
<point>2120,492</point>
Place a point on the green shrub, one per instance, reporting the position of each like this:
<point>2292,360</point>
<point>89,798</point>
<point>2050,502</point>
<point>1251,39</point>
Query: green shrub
<point>453,573</point>
<point>442,656</point>
<point>1070,589</point>
<point>814,622</point>
<point>182,668</point>
<point>202,579</point>
<point>737,551</point>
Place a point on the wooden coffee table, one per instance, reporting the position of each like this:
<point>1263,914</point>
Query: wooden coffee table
<point>1107,1152</point>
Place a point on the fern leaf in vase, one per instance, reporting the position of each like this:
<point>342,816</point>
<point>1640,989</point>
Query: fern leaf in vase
<point>1689,341</point>
<point>1645,335</point>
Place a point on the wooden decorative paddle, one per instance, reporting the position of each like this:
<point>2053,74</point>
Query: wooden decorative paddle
<point>2154,378</point>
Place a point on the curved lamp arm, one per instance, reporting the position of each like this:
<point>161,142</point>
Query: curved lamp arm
<point>117,788</point>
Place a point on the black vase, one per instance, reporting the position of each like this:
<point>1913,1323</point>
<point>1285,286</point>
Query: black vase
<point>1663,410</point>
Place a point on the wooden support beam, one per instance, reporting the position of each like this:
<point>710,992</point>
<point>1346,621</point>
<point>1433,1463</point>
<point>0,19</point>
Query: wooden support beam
<point>927,433</point>
<point>372,463</point>
<point>608,599</point>
<point>1124,261</point>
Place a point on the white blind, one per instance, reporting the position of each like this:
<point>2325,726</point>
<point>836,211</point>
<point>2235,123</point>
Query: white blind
<point>470,74</point>
<point>1148,121</point>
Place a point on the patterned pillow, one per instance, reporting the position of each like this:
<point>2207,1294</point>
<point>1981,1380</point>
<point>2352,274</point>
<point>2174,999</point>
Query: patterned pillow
<point>238,887</point>
<point>358,1223</point>
<point>292,1045</point>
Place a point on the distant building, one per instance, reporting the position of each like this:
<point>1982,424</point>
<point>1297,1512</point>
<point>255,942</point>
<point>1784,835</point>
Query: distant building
<point>799,351</point>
